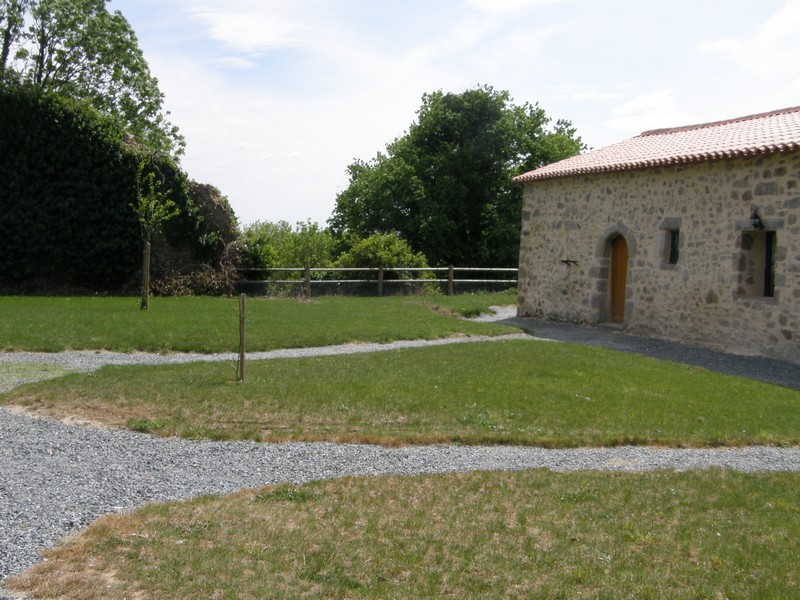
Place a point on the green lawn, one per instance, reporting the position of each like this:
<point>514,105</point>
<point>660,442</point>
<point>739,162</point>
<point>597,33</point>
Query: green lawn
<point>202,324</point>
<point>532,534</point>
<point>501,392</point>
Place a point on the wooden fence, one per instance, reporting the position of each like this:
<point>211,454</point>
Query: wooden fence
<point>311,278</point>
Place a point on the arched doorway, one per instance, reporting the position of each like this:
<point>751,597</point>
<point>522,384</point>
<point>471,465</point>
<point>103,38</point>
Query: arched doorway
<point>618,276</point>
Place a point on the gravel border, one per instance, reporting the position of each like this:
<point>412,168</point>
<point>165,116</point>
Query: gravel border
<point>58,478</point>
<point>91,360</point>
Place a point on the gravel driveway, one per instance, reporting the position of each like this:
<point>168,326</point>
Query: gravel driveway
<point>58,478</point>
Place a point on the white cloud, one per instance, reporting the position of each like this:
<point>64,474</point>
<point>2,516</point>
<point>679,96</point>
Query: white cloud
<point>595,95</point>
<point>648,111</point>
<point>250,31</point>
<point>236,63</point>
<point>718,46</point>
<point>659,102</point>
<point>772,48</point>
<point>506,5</point>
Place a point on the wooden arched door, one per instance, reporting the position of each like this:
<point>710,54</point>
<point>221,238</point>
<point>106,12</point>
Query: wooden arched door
<point>618,279</point>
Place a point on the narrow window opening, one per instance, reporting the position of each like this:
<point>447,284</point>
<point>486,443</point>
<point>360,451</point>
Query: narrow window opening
<point>674,238</point>
<point>769,264</point>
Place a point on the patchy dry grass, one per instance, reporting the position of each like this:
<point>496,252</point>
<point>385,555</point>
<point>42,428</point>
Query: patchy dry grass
<point>532,534</point>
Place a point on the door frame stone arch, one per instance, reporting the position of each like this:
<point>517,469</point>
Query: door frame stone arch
<point>601,301</point>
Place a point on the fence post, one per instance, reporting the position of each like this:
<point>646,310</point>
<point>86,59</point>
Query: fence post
<point>308,282</point>
<point>450,281</point>
<point>380,281</point>
<point>242,317</point>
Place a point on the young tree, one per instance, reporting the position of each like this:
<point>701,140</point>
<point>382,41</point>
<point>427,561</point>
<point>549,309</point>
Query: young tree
<point>446,185</point>
<point>153,207</point>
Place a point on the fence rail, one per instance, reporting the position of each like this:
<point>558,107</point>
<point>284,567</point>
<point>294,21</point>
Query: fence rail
<point>450,280</point>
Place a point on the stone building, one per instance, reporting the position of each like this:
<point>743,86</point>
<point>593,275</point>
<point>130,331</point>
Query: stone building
<point>688,234</point>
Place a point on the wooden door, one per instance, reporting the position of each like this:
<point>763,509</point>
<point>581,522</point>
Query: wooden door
<point>619,276</point>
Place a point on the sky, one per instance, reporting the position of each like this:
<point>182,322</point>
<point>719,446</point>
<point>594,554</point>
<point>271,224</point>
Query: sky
<point>277,97</point>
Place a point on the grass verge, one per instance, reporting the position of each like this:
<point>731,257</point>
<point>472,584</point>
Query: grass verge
<point>531,534</point>
<point>503,392</point>
<point>211,325</point>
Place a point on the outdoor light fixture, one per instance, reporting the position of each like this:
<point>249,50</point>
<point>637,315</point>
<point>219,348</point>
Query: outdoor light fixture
<point>756,221</point>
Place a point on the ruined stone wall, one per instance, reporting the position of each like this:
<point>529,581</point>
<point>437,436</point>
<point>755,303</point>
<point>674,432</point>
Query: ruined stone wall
<point>714,294</point>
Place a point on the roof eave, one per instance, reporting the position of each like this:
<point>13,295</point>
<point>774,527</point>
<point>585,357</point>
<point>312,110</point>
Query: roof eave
<point>782,148</point>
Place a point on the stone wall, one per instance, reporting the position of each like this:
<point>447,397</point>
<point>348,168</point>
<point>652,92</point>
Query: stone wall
<point>714,294</point>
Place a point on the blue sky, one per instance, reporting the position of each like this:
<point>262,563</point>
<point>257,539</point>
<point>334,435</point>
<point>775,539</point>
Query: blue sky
<point>277,97</point>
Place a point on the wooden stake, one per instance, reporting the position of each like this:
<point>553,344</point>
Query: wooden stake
<point>450,280</point>
<point>145,303</point>
<point>242,318</point>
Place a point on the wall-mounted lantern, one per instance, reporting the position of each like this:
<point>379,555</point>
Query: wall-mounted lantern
<point>756,221</point>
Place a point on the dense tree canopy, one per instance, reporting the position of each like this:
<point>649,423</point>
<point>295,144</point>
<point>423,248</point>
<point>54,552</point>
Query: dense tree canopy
<point>446,185</point>
<point>77,48</point>
<point>87,157</point>
<point>69,188</point>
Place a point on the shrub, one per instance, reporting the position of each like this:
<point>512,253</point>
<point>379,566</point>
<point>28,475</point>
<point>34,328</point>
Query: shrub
<point>204,282</point>
<point>384,250</point>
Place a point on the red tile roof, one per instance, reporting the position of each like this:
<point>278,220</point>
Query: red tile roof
<point>765,133</point>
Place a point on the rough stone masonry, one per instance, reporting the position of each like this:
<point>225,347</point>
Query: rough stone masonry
<point>710,289</point>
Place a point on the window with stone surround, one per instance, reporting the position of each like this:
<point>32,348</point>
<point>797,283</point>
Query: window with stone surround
<point>671,241</point>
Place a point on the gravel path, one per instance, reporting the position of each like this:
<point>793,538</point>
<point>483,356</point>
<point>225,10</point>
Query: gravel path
<point>58,478</point>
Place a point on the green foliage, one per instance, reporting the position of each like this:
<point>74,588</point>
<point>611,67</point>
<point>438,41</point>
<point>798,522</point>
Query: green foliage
<point>274,245</point>
<point>69,182</point>
<point>12,20</point>
<point>77,48</point>
<point>145,425</point>
<point>446,186</point>
<point>383,250</point>
<point>153,205</point>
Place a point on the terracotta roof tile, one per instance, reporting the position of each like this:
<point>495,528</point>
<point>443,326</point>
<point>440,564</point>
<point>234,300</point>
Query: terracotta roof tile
<point>765,133</point>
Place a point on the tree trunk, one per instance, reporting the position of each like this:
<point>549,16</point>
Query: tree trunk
<point>145,304</point>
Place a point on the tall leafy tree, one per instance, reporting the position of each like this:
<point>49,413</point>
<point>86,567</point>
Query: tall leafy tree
<point>78,48</point>
<point>446,185</point>
<point>12,20</point>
